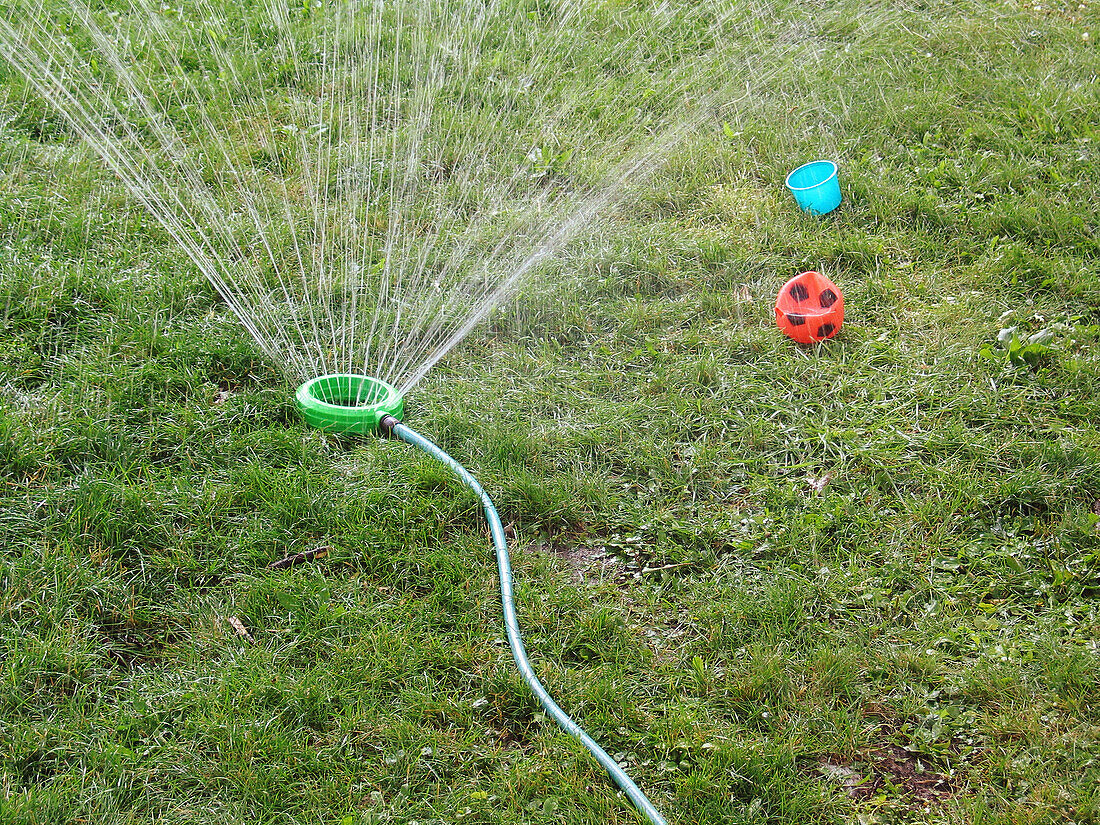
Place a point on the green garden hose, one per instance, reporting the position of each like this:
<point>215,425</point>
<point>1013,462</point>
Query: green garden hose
<point>391,426</point>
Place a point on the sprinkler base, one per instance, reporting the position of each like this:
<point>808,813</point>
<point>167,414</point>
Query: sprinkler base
<point>347,403</point>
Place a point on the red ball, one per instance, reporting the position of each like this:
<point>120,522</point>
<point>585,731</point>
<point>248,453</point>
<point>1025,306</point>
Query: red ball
<point>809,308</point>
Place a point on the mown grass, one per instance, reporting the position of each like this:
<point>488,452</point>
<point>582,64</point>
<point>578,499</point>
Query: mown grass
<point>752,571</point>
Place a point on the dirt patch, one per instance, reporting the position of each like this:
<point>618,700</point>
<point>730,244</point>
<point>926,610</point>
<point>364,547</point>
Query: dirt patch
<point>130,646</point>
<point>891,771</point>
<point>588,565</point>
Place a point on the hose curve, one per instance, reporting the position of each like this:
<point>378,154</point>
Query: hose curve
<point>511,624</point>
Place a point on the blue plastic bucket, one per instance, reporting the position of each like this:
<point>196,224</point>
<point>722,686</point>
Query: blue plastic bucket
<point>815,186</point>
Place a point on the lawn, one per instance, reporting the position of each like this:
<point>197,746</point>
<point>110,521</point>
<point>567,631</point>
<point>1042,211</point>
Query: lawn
<point>855,582</point>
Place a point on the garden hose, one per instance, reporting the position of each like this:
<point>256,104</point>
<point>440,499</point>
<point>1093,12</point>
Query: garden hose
<point>391,426</point>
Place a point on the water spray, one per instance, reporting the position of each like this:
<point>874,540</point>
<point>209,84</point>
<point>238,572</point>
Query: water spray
<point>357,404</point>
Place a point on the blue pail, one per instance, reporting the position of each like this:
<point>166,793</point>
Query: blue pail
<point>815,186</point>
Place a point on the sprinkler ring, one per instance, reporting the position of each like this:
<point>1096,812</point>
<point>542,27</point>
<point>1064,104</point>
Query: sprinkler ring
<point>346,403</point>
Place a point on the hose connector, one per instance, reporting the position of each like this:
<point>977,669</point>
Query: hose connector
<point>386,426</point>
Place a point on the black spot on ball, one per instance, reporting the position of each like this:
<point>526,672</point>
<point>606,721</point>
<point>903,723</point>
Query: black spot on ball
<point>825,330</point>
<point>799,292</point>
<point>795,320</point>
<point>828,298</point>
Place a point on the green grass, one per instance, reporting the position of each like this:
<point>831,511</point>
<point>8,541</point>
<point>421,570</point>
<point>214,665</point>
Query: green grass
<point>738,637</point>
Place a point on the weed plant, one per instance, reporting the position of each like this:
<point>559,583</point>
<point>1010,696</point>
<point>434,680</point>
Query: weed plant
<point>851,583</point>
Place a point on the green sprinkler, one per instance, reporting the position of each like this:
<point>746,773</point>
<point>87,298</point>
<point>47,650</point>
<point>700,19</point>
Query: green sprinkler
<point>343,403</point>
<point>346,403</point>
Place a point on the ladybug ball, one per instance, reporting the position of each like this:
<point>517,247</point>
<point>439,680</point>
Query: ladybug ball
<point>809,308</point>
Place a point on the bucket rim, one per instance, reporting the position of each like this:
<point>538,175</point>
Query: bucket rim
<point>794,172</point>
